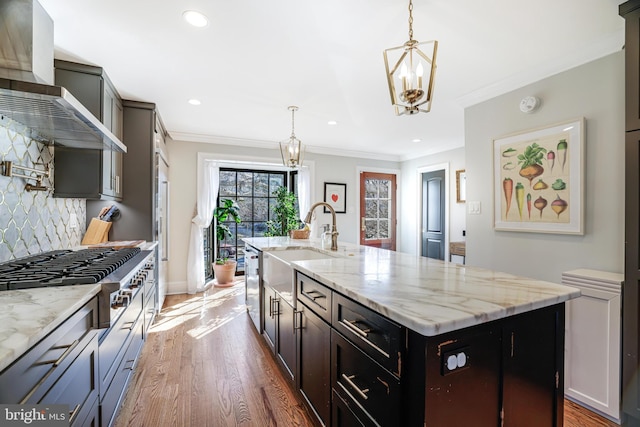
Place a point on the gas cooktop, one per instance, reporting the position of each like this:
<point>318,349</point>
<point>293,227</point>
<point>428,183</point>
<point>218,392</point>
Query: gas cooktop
<point>63,267</point>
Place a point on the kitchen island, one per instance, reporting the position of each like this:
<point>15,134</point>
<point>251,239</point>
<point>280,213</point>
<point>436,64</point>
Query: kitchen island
<point>431,343</point>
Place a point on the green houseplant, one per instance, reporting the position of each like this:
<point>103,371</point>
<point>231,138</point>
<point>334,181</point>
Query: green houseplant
<point>286,216</point>
<point>224,268</point>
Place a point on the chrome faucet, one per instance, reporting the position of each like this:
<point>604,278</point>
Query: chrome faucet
<point>334,230</point>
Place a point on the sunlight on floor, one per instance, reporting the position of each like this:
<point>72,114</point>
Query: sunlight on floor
<point>201,306</point>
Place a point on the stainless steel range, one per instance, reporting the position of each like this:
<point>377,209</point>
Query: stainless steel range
<point>121,273</point>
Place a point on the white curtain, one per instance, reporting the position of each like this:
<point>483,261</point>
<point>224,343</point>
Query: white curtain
<point>304,192</point>
<point>207,194</point>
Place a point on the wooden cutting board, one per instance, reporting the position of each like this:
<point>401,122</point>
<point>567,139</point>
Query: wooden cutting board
<point>119,244</point>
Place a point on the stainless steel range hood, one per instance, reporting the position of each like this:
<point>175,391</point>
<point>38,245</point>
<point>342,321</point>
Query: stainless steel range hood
<point>27,95</point>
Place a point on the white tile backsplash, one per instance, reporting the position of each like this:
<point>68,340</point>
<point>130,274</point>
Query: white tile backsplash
<point>33,221</point>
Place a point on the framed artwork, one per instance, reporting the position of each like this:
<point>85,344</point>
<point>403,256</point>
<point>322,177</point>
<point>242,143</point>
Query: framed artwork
<point>461,186</point>
<point>539,180</point>
<point>336,196</point>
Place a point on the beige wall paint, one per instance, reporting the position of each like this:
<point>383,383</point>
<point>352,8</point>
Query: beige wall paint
<point>182,175</point>
<point>594,91</point>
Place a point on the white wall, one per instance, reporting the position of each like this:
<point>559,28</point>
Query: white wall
<point>327,168</point>
<point>410,202</point>
<point>594,91</point>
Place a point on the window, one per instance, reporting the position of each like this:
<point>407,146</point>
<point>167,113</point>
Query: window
<point>252,190</point>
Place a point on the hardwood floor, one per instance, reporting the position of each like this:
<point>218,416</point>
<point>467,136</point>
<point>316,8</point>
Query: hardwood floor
<point>204,365</point>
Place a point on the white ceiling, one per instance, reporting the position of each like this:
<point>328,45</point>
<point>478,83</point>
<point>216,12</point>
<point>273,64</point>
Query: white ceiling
<point>256,57</point>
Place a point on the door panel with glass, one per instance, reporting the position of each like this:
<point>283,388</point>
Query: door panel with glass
<point>378,210</point>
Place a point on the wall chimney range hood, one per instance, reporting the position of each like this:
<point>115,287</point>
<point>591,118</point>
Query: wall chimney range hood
<point>27,95</point>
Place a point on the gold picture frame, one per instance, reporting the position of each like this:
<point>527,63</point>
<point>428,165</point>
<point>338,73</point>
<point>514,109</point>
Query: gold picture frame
<point>461,186</point>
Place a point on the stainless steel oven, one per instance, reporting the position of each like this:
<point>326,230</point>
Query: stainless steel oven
<point>253,261</point>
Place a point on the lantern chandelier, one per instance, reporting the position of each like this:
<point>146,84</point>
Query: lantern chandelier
<point>292,150</point>
<point>410,88</point>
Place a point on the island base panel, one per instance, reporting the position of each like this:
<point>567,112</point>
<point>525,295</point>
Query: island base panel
<point>510,368</point>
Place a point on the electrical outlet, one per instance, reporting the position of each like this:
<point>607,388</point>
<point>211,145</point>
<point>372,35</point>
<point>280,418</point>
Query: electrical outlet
<point>73,221</point>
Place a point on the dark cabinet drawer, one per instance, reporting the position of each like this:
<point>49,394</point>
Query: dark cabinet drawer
<point>113,344</point>
<point>78,386</point>
<point>314,295</point>
<point>31,376</point>
<point>345,413</point>
<point>359,379</point>
<point>374,334</point>
<point>113,396</point>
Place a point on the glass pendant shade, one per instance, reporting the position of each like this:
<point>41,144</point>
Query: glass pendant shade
<point>292,150</point>
<point>410,75</point>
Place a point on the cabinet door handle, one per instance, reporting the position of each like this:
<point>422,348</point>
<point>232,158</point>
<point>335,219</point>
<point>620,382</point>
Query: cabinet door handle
<point>361,392</point>
<point>72,414</point>
<point>351,325</point>
<point>270,306</point>
<point>296,324</point>
<point>276,307</point>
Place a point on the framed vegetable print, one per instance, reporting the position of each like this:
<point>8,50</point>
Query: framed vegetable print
<point>335,195</point>
<point>539,180</point>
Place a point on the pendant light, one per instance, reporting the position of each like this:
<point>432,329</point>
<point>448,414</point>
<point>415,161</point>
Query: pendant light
<point>292,150</point>
<point>411,73</point>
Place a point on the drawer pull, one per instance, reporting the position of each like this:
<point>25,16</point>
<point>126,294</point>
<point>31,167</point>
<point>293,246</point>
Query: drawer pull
<point>130,327</point>
<point>54,364</point>
<point>314,295</point>
<point>351,325</point>
<point>364,333</point>
<point>69,349</point>
<point>72,414</point>
<point>362,393</point>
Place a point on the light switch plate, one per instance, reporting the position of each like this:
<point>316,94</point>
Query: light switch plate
<point>474,208</point>
<point>73,221</point>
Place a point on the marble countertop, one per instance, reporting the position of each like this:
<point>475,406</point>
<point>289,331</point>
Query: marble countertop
<point>28,315</point>
<point>428,296</point>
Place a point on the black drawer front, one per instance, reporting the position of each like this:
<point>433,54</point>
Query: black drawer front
<point>110,400</point>
<point>78,386</point>
<point>345,413</point>
<point>31,376</point>
<point>314,295</point>
<point>358,378</point>
<point>149,310</point>
<point>114,343</point>
<point>376,335</point>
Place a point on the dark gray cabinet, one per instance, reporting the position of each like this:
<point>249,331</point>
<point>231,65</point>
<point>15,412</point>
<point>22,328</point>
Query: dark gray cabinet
<point>279,330</point>
<point>60,369</point>
<point>314,364</point>
<point>144,136</point>
<point>90,174</point>
<point>630,11</point>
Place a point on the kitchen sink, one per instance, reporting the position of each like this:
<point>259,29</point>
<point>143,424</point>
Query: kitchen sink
<point>301,255</point>
<point>277,270</point>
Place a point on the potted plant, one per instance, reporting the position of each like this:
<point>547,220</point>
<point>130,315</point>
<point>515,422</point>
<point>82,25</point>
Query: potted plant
<point>286,217</point>
<point>224,268</point>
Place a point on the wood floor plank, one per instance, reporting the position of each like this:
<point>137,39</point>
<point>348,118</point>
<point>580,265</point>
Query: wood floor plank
<point>204,365</point>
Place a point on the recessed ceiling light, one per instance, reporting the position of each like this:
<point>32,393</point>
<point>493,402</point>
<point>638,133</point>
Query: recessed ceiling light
<point>416,140</point>
<point>194,102</point>
<point>332,123</point>
<point>194,18</point>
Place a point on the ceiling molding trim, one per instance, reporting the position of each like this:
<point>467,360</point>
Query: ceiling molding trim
<point>254,143</point>
<point>604,47</point>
